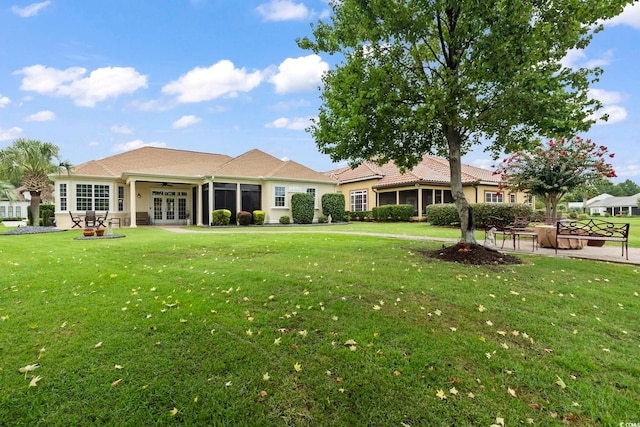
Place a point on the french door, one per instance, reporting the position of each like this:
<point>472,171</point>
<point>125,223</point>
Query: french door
<point>169,207</point>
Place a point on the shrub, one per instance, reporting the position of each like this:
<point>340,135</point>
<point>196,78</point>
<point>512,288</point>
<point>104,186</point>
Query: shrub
<point>333,204</point>
<point>323,219</point>
<point>244,218</point>
<point>221,217</point>
<point>392,213</point>
<point>258,217</point>
<point>285,219</point>
<point>302,208</point>
<point>359,215</point>
<point>583,216</point>
<point>46,212</point>
<point>442,214</point>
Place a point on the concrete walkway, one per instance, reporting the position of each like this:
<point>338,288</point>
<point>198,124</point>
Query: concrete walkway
<point>610,252</point>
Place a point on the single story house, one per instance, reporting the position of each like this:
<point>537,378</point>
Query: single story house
<point>163,186</point>
<point>627,205</point>
<point>370,185</point>
<point>18,208</point>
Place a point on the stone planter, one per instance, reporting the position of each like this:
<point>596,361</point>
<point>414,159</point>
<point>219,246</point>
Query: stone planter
<point>99,232</point>
<point>88,232</point>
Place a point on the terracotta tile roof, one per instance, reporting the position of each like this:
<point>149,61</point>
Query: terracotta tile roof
<point>430,170</point>
<point>181,163</point>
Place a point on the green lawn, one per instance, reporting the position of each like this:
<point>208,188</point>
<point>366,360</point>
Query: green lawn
<point>285,327</point>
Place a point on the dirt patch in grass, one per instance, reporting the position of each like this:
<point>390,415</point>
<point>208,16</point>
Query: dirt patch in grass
<point>472,255</point>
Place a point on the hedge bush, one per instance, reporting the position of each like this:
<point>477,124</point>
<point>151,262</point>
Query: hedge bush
<point>447,214</point>
<point>46,212</point>
<point>392,213</point>
<point>333,204</point>
<point>302,208</point>
<point>285,219</point>
<point>359,215</point>
<point>258,217</point>
<point>323,219</point>
<point>221,217</point>
<point>244,218</point>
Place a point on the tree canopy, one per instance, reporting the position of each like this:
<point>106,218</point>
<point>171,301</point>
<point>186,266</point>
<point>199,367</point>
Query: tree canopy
<point>436,77</point>
<point>555,168</point>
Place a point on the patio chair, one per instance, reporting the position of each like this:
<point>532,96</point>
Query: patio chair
<point>76,220</point>
<point>90,219</point>
<point>101,219</point>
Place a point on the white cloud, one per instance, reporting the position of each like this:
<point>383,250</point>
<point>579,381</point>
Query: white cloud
<point>7,134</point>
<point>4,101</point>
<point>609,100</point>
<point>30,10</point>
<point>185,121</point>
<point>101,84</point>
<point>41,116</point>
<point>137,143</point>
<point>297,123</point>
<point>204,84</point>
<point>576,58</point>
<point>630,16</point>
<point>122,129</point>
<point>299,74</point>
<point>283,10</point>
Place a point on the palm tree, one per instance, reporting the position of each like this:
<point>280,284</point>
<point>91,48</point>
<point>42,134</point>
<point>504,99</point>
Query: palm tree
<point>7,191</point>
<point>29,162</point>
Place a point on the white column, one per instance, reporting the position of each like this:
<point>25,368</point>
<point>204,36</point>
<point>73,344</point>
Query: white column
<point>210,212</point>
<point>199,206</point>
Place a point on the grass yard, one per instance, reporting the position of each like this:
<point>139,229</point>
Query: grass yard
<point>279,328</point>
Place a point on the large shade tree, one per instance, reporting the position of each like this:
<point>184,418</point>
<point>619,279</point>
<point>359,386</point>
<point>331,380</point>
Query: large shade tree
<point>553,169</point>
<point>28,162</point>
<point>438,76</point>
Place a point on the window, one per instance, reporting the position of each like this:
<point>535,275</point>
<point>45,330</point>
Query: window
<point>512,198</point>
<point>3,212</point>
<point>492,197</point>
<point>63,197</point>
<point>18,212</point>
<point>91,197</point>
<point>312,191</point>
<point>120,198</point>
<point>10,211</point>
<point>359,200</point>
<point>280,196</point>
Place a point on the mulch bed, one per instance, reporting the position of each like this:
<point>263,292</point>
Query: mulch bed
<point>472,255</point>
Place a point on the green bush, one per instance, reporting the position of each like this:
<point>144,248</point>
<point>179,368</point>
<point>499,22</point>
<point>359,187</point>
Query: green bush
<point>46,212</point>
<point>221,217</point>
<point>359,215</point>
<point>258,217</point>
<point>442,214</point>
<point>323,219</point>
<point>244,218</point>
<point>285,219</point>
<point>302,208</point>
<point>392,213</point>
<point>333,204</point>
<point>447,214</point>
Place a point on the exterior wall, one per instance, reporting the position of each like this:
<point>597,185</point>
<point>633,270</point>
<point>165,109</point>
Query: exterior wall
<point>273,212</point>
<point>14,209</point>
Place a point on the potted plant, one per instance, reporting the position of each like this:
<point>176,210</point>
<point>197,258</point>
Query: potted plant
<point>88,232</point>
<point>99,232</point>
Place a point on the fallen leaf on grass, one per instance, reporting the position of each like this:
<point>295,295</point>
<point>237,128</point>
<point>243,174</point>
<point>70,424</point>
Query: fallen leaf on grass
<point>28,368</point>
<point>511,392</point>
<point>350,342</point>
<point>116,383</point>
<point>297,367</point>
<point>173,412</point>
<point>34,381</point>
<point>98,345</point>
<point>561,383</point>
<point>441,394</point>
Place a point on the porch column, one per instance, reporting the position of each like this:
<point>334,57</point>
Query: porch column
<point>133,199</point>
<point>239,201</point>
<point>211,207</point>
<point>199,206</point>
<point>419,202</point>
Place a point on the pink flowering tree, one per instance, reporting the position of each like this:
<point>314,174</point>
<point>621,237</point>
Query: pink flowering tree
<point>553,169</point>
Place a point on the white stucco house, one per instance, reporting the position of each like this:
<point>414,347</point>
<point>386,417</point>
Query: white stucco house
<point>163,186</point>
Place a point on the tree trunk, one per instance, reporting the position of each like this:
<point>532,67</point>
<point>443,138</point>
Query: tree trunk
<point>35,207</point>
<point>465,213</point>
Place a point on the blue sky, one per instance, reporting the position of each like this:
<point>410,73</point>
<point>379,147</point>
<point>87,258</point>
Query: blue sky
<point>100,77</point>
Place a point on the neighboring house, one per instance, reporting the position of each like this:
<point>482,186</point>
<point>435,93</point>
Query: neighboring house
<point>589,204</point>
<point>170,187</point>
<point>370,185</point>
<point>627,205</point>
<point>16,208</point>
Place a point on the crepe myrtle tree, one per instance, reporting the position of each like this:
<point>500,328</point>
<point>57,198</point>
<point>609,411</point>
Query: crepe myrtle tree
<point>437,77</point>
<point>552,169</point>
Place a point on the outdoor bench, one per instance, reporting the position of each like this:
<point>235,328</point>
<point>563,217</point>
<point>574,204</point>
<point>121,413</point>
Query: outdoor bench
<point>594,230</point>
